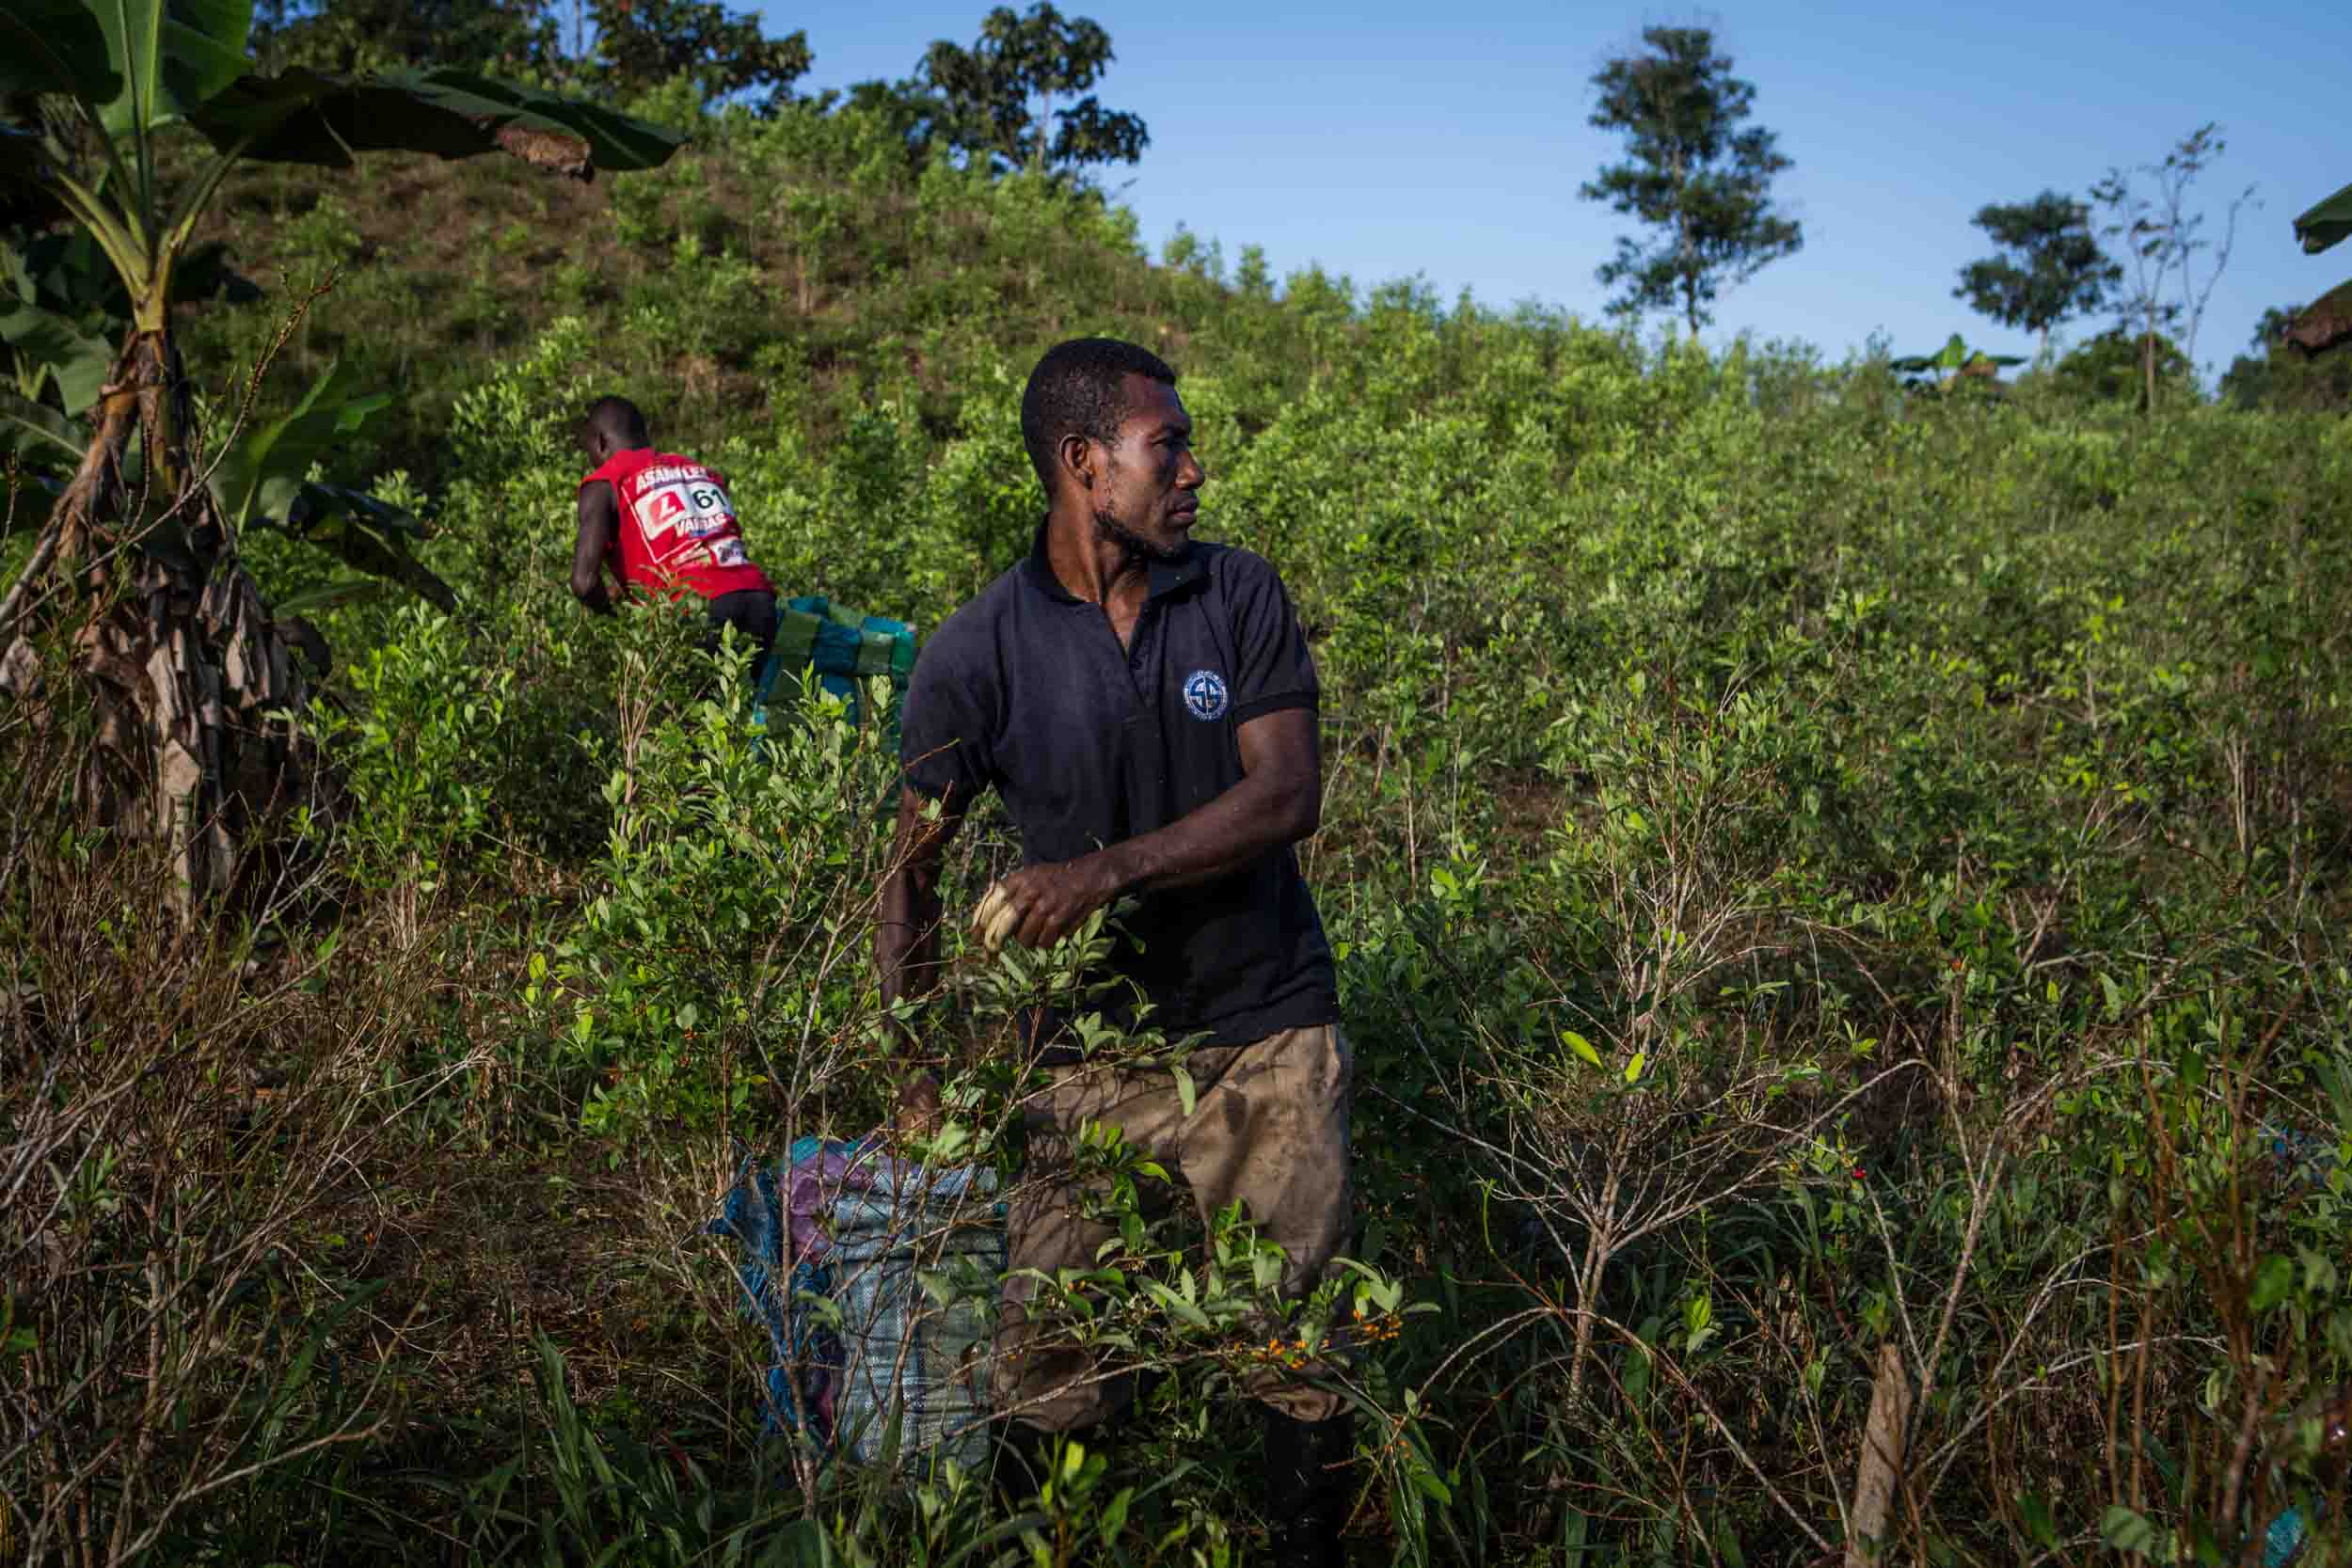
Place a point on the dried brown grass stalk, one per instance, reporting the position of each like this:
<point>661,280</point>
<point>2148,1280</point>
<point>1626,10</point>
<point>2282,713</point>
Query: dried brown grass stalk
<point>178,1106</point>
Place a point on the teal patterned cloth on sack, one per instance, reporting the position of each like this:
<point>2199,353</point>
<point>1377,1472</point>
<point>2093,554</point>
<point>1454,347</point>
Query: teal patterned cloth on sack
<point>844,649</point>
<point>876,1279</point>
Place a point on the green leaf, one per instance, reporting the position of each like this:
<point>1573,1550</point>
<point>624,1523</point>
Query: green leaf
<point>2274,1281</point>
<point>16,270</point>
<point>2128,1530</point>
<point>1114,1519</point>
<point>1186,1093</point>
<point>2040,1523</point>
<point>1582,1046</point>
<point>2327,224</point>
<point>37,431</point>
<point>304,116</point>
<point>59,350</point>
<point>365,531</point>
<point>55,46</point>
<point>1633,1068</point>
<point>262,472</point>
<point>1176,1303</point>
<point>171,55</point>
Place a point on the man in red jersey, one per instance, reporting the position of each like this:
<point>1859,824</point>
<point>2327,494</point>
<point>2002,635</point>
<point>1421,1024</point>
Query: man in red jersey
<point>664,523</point>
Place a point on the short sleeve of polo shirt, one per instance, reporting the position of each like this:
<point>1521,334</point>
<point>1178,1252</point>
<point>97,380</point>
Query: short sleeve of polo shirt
<point>946,723</point>
<point>1271,667</point>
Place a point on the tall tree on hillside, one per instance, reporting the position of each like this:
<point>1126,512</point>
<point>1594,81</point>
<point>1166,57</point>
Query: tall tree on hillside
<point>380,35</point>
<point>643,43</point>
<point>2050,268</point>
<point>1692,174</point>
<point>997,99</point>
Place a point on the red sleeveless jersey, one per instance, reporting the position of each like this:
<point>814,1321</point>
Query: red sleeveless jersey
<point>677,526</point>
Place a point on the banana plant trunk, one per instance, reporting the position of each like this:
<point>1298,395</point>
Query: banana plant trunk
<point>192,687</point>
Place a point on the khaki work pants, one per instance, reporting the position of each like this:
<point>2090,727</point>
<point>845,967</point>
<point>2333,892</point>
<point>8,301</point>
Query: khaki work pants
<point>1269,1127</point>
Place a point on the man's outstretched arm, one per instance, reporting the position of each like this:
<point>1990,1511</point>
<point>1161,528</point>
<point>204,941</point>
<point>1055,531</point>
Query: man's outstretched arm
<point>599,526</point>
<point>1277,801</point>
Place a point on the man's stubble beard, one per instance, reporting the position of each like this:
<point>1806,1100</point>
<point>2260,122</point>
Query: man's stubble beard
<point>1133,544</point>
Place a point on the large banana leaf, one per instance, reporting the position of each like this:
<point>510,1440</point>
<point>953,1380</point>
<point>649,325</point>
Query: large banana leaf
<point>261,480</point>
<point>368,532</point>
<point>57,46</point>
<point>143,63</point>
<point>2326,224</point>
<point>53,347</point>
<point>2326,323</point>
<point>261,472</point>
<point>39,434</point>
<point>303,117</point>
<point>171,54</point>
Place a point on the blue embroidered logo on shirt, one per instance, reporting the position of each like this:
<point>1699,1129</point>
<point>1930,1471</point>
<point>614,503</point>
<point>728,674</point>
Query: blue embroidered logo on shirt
<point>1204,694</point>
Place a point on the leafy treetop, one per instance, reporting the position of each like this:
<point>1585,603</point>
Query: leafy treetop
<point>2050,268</point>
<point>642,43</point>
<point>1693,173</point>
<point>996,99</point>
<point>509,36</point>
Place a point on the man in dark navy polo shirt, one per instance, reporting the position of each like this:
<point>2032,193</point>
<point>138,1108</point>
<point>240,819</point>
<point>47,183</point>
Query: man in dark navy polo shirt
<point>1144,706</point>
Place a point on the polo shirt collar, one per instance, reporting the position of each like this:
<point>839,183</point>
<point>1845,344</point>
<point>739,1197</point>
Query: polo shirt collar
<point>1163,577</point>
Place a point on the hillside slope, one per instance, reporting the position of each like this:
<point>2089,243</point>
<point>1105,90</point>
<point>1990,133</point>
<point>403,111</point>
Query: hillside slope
<point>794,270</point>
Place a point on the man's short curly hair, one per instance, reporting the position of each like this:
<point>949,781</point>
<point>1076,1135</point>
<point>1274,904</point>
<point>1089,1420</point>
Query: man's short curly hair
<point>618,418</point>
<point>1079,389</point>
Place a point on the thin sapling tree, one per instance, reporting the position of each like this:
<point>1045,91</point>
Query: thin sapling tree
<point>2149,212</point>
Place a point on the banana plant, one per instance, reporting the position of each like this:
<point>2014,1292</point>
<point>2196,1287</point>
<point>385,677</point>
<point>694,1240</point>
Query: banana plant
<point>62,308</point>
<point>2327,323</point>
<point>1952,365</point>
<point>261,480</point>
<point>136,564</point>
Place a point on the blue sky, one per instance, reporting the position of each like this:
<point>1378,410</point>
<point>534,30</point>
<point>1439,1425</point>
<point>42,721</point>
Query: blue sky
<point>1383,140</point>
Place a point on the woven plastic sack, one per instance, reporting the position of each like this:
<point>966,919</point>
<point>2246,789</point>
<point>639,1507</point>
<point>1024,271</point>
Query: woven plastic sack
<point>877,1280</point>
